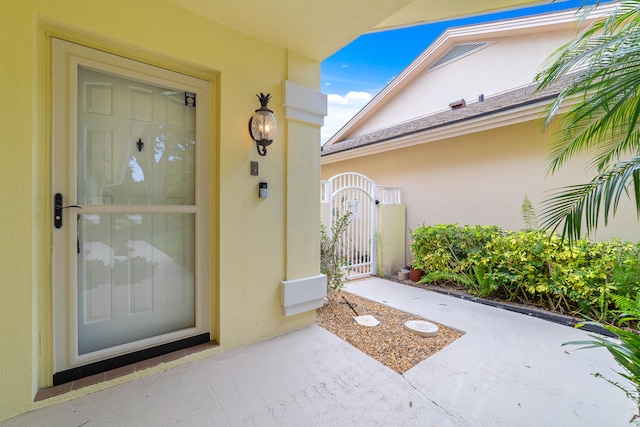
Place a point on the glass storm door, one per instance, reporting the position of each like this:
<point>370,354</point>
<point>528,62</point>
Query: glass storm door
<point>127,267</point>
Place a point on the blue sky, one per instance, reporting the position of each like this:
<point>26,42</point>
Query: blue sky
<point>356,73</point>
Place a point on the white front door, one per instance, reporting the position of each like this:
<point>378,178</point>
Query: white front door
<point>130,160</point>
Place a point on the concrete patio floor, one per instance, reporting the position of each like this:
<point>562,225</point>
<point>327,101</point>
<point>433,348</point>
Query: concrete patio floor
<point>507,370</point>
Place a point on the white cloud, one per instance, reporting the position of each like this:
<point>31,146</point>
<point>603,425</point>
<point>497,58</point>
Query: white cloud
<point>340,109</point>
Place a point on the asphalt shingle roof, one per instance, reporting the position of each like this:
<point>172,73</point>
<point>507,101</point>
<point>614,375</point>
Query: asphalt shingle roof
<point>492,105</point>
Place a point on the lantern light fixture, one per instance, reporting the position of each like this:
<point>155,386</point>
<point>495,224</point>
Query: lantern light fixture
<point>263,125</point>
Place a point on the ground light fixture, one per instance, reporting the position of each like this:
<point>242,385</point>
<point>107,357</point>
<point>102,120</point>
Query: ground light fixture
<point>263,125</point>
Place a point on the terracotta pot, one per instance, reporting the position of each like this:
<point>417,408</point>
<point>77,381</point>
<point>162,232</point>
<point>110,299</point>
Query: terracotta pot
<point>415,275</point>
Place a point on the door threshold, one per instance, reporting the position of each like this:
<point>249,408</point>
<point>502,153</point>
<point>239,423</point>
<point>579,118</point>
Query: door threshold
<point>120,366</point>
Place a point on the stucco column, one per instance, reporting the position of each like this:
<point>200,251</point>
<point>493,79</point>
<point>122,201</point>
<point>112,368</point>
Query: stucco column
<point>304,286</point>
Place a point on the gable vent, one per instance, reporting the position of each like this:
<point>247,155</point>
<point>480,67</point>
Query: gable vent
<point>457,51</point>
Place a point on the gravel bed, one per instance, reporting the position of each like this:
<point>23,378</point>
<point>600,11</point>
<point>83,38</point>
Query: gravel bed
<point>389,342</point>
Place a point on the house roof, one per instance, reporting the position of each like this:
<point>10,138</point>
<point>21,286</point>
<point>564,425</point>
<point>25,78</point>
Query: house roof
<point>516,106</point>
<point>441,46</point>
<point>317,29</point>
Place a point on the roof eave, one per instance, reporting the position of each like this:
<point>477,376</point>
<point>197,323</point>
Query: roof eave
<point>507,117</point>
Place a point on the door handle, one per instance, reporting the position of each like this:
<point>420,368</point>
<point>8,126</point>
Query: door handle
<point>57,210</point>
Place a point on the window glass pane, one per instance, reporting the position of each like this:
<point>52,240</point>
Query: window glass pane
<point>135,277</point>
<point>136,143</point>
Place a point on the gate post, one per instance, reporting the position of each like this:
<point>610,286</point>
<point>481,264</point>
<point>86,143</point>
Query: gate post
<point>325,204</point>
<point>390,236</point>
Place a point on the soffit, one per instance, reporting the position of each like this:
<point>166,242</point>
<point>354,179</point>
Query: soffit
<point>318,28</point>
<point>440,10</point>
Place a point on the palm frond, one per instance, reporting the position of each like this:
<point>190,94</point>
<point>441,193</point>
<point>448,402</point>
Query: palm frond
<point>602,65</point>
<point>626,353</point>
<point>570,206</point>
<point>437,276</point>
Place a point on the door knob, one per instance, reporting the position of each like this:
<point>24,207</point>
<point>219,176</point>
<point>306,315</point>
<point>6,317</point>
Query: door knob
<point>57,210</point>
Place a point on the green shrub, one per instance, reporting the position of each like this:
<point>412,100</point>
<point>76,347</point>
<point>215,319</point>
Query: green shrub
<point>446,247</point>
<point>530,267</point>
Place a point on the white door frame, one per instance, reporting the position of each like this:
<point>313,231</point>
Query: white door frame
<point>66,58</point>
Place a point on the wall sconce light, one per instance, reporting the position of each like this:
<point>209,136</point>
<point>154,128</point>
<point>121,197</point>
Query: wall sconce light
<point>263,125</point>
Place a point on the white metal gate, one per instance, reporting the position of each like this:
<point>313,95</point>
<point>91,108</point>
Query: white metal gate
<point>355,193</point>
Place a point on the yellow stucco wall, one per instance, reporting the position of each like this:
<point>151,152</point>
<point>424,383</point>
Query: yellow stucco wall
<point>254,243</point>
<point>480,178</point>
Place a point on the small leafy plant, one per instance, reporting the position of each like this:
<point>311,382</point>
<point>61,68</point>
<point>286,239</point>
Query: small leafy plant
<point>334,262</point>
<point>529,216</point>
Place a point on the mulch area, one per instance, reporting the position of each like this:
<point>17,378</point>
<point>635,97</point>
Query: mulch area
<point>390,343</point>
